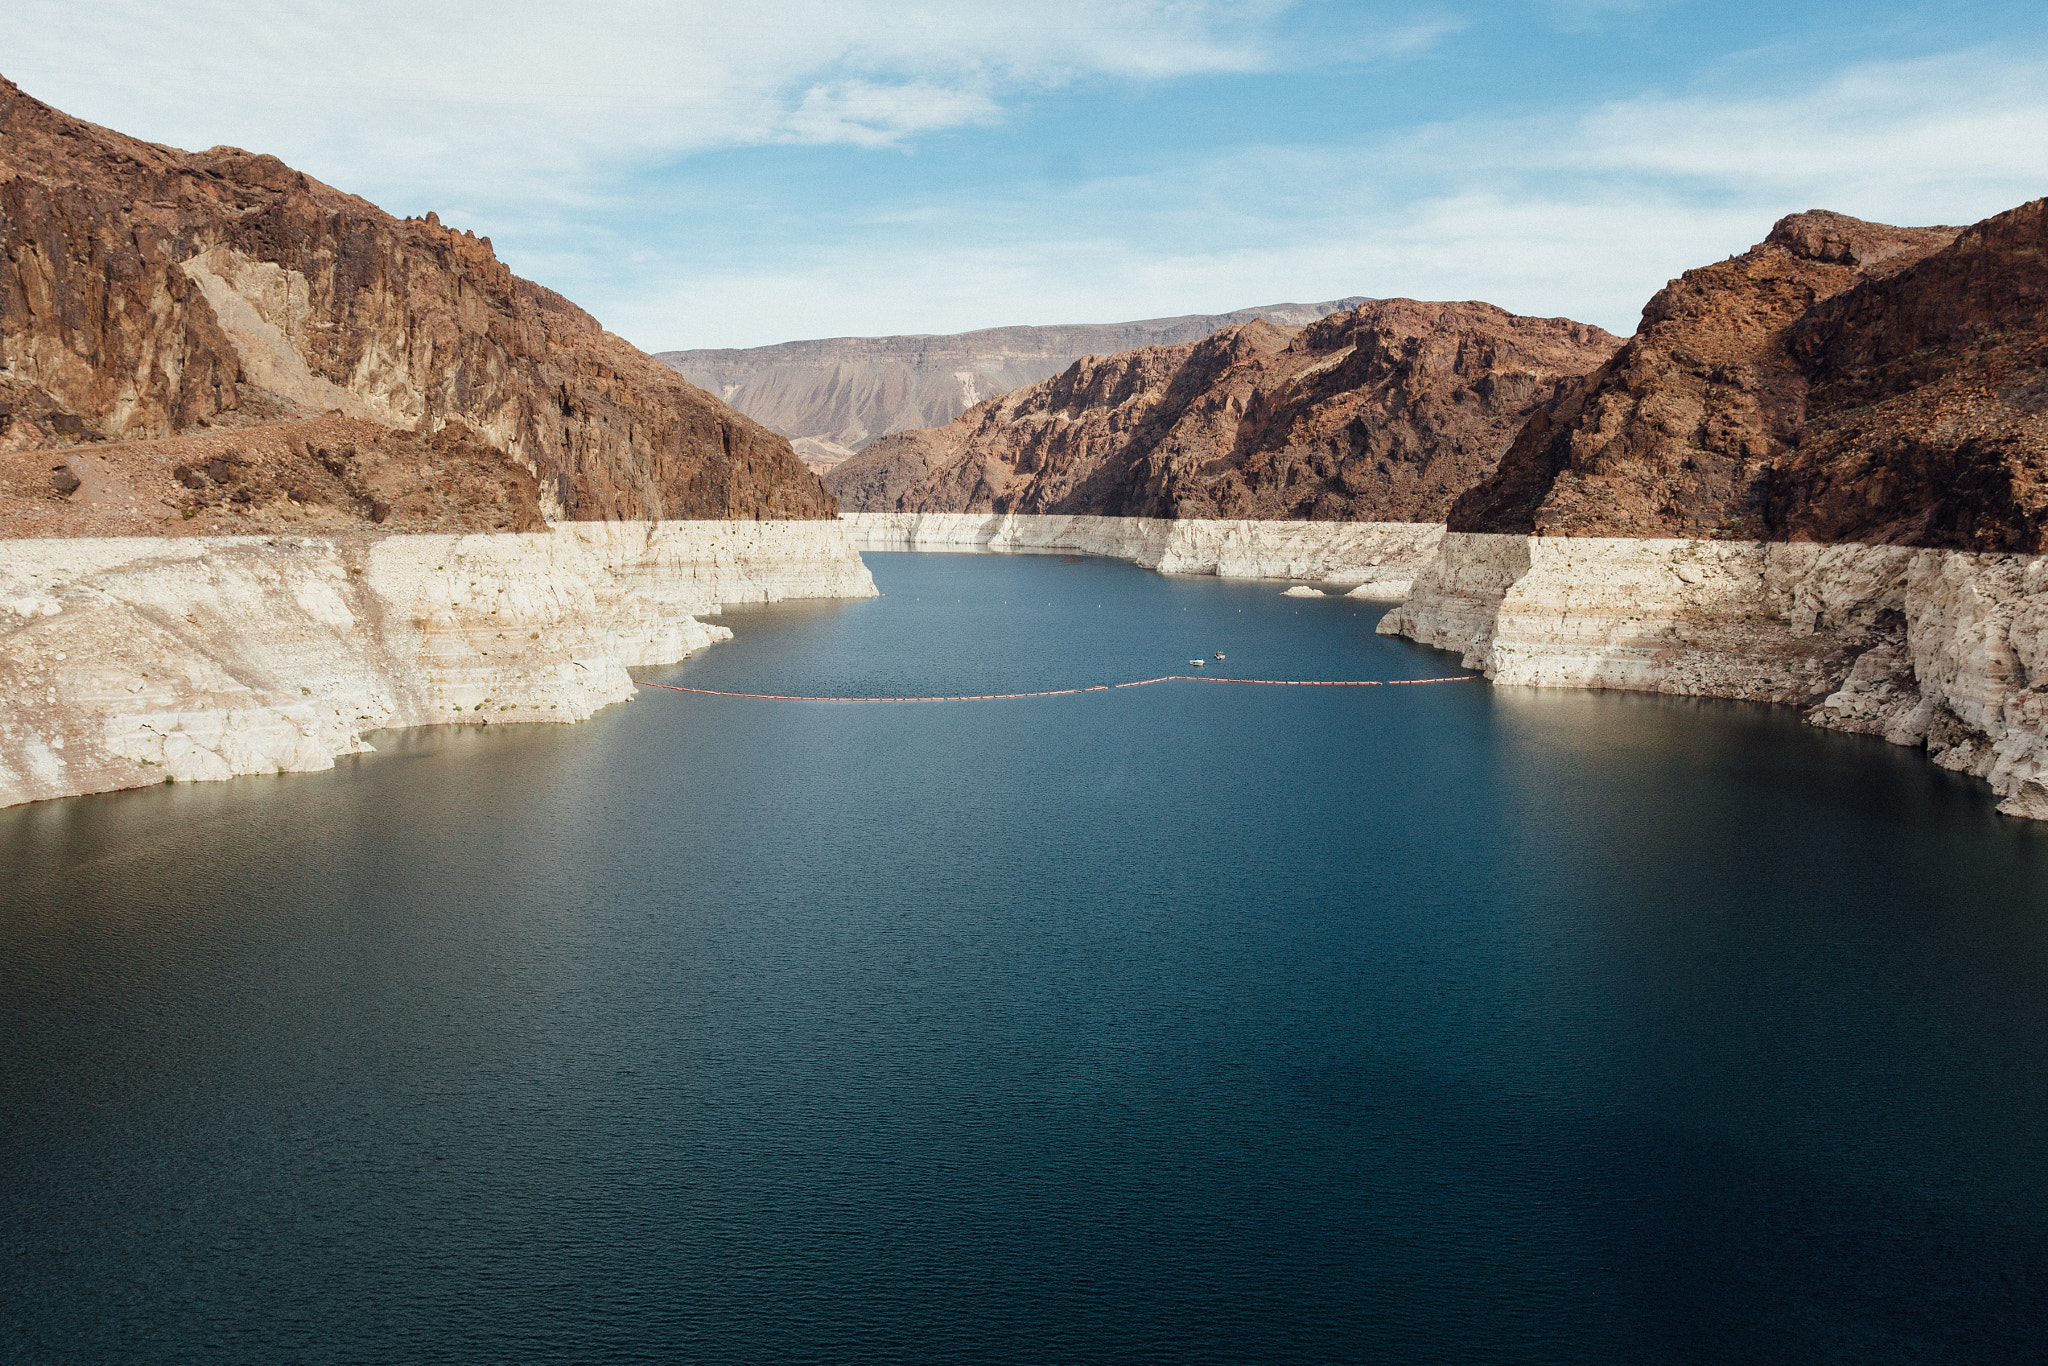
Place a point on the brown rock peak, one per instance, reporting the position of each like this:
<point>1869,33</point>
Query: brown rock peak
<point>1382,412</point>
<point>146,292</point>
<point>1837,239</point>
<point>1843,381</point>
<point>835,395</point>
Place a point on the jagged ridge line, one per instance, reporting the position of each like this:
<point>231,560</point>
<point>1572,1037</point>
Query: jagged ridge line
<point>1099,687</point>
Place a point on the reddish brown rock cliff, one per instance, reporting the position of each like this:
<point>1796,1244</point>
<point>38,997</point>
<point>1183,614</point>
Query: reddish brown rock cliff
<point>1382,413</point>
<point>1842,381</point>
<point>1927,420</point>
<point>844,392</point>
<point>874,479</point>
<point>147,292</point>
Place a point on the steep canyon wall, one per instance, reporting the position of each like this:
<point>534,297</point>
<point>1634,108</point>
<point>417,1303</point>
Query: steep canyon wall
<point>1384,412</point>
<point>1817,475</point>
<point>148,292</point>
<point>834,395</point>
<point>1374,559</point>
<point>127,661</point>
<point>1942,649</point>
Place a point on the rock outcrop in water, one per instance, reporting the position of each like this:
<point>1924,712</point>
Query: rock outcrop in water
<point>833,396</point>
<point>1382,413</point>
<point>147,292</point>
<point>1814,476</point>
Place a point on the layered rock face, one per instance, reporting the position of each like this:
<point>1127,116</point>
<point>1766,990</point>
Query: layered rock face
<point>1815,477</point>
<point>833,396</point>
<point>147,292</point>
<point>1840,381</point>
<point>1927,417</point>
<point>1372,559</point>
<point>1934,648</point>
<point>1382,413</point>
<point>325,476</point>
<point>877,478</point>
<point>128,661</point>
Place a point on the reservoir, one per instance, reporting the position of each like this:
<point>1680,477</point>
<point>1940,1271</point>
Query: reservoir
<point>1182,1023</point>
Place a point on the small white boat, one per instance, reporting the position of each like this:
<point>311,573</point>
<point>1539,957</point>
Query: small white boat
<point>1196,662</point>
<point>1219,654</point>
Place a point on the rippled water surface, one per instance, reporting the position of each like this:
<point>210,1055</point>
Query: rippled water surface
<point>1184,1023</point>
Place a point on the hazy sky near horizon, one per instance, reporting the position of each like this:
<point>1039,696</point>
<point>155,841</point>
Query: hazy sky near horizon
<point>721,175</point>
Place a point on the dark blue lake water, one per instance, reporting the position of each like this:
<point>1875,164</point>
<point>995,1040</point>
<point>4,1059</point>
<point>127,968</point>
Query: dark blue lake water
<point>1185,1023</point>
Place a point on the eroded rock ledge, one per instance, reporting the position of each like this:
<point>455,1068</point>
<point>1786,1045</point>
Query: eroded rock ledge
<point>1374,559</point>
<point>125,661</point>
<point>1942,649</point>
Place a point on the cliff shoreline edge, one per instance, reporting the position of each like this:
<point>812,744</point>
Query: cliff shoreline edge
<point>138,660</point>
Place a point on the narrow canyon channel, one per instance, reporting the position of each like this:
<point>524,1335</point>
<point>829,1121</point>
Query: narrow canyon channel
<point>1179,1023</point>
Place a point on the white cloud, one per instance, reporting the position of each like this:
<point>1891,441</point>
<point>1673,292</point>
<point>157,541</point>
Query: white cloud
<point>1584,214</point>
<point>1958,134</point>
<point>538,121</point>
<point>1596,260</point>
<point>870,115</point>
<point>1894,135</point>
<point>538,98</point>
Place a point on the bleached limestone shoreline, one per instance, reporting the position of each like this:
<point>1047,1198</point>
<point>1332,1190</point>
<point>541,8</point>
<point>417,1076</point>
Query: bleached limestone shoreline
<point>1940,649</point>
<point>1375,559</point>
<point>126,661</point>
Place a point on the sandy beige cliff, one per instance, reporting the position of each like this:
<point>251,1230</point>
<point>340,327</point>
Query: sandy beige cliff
<point>1942,649</point>
<point>1373,559</point>
<point>126,661</point>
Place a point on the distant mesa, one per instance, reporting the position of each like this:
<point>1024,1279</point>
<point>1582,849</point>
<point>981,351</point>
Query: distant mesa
<point>843,393</point>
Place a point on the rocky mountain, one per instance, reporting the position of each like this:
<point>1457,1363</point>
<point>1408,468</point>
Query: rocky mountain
<point>876,479</point>
<point>1384,412</point>
<point>1814,476</point>
<point>834,396</point>
<point>1841,381</point>
<point>151,293</point>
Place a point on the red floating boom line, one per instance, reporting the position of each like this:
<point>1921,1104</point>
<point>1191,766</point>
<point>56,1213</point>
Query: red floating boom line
<point>1099,687</point>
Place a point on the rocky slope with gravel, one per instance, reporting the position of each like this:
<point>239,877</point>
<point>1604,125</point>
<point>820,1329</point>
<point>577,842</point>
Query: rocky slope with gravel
<point>1840,381</point>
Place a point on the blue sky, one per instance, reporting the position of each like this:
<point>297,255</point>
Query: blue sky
<point>732,175</point>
